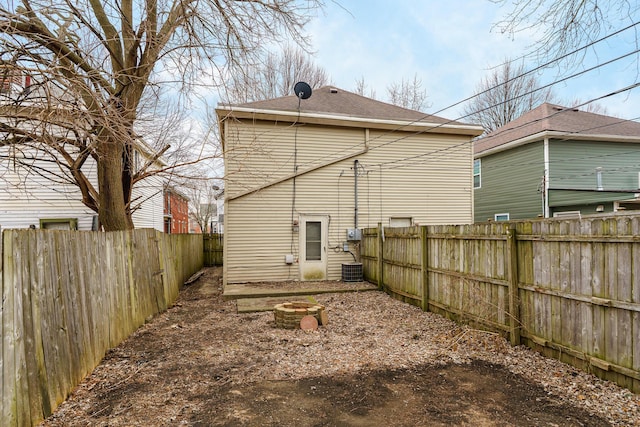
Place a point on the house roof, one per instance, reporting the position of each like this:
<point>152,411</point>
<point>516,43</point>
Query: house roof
<point>329,99</point>
<point>329,102</point>
<point>549,120</point>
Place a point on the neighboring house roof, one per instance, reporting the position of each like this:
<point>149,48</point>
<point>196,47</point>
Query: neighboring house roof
<point>554,121</point>
<point>173,190</point>
<point>331,105</point>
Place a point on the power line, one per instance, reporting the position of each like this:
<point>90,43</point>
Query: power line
<point>542,66</point>
<point>448,150</point>
<point>566,136</point>
<point>345,150</point>
<point>616,92</point>
<point>502,102</point>
<point>630,87</point>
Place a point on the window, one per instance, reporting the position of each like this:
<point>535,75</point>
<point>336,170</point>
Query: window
<point>501,217</point>
<point>599,179</point>
<point>5,85</point>
<point>59,224</point>
<point>400,222</point>
<point>11,80</point>
<point>477,168</point>
<point>136,161</point>
<point>313,240</point>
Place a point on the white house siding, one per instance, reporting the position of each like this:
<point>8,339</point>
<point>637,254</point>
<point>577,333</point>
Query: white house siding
<point>150,214</point>
<point>26,198</point>
<point>396,179</point>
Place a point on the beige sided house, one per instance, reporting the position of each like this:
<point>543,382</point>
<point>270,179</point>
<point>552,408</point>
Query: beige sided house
<point>304,176</point>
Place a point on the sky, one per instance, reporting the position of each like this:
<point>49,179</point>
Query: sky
<point>450,46</point>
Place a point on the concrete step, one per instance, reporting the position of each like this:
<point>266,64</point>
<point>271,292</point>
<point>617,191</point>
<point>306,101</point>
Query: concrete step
<point>234,292</point>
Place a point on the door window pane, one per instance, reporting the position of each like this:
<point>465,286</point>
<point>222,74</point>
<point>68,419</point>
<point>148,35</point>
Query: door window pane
<point>313,230</point>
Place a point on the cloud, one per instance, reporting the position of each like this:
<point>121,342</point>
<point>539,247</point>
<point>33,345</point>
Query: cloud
<point>448,45</point>
<point>451,46</point>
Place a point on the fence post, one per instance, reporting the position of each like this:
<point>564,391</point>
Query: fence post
<point>424,266</point>
<point>380,257</point>
<point>514,300</point>
<point>161,253</point>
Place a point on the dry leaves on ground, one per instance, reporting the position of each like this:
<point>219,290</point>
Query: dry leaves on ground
<point>175,364</point>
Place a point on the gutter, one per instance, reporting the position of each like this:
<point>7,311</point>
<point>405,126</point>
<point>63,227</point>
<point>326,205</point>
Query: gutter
<point>596,191</point>
<point>555,135</point>
<point>348,121</point>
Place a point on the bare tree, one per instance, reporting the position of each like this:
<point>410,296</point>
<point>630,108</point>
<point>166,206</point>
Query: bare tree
<point>408,94</point>
<point>203,196</point>
<point>362,89</point>
<point>93,65</point>
<point>405,93</point>
<point>504,95</point>
<point>274,75</point>
<point>565,25</point>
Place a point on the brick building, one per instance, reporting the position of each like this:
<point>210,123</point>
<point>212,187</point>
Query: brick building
<point>176,211</point>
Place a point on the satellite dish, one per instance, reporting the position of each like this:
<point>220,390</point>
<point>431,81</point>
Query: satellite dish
<point>302,90</point>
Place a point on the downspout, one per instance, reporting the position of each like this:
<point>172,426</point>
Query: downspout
<point>355,193</point>
<point>545,192</point>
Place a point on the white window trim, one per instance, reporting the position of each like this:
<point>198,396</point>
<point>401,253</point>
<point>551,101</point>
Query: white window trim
<point>495,216</point>
<point>479,173</point>
<point>567,214</point>
<point>400,218</point>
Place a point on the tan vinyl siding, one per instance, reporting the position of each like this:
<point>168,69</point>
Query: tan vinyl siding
<point>267,153</point>
<point>425,177</point>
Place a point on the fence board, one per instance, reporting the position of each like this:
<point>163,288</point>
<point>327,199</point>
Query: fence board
<point>68,296</point>
<point>55,340</point>
<point>23,413</point>
<point>84,306</point>
<point>100,307</point>
<point>213,249</point>
<point>369,254</point>
<point>30,367</point>
<point>575,294</point>
<point>41,402</point>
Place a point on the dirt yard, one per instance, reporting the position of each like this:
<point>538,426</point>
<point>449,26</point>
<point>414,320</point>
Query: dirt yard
<point>377,362</point>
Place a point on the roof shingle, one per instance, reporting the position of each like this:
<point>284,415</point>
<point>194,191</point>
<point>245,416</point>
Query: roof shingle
<point>554,118</point>
<point>334,101</point>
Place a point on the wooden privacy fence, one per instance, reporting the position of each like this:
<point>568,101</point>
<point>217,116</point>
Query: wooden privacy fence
<point>567,288</point>
<point>213,245</point>
<point>68,296</point>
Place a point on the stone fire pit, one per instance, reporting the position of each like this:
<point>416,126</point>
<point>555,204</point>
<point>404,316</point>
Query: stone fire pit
<point>289,314</point>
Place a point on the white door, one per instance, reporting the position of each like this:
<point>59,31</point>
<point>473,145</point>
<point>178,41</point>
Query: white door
<point>313,247</point>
